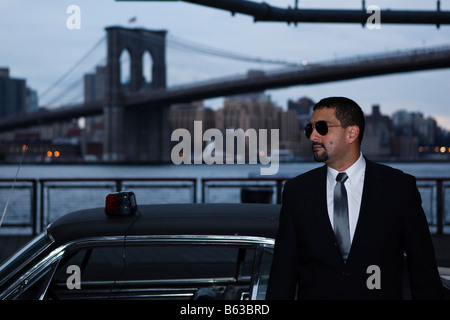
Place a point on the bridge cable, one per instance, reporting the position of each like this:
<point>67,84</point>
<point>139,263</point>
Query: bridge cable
<point>74,87</point>
<point>77,64</point>
<point>213,51</point>
<point>189,45</point>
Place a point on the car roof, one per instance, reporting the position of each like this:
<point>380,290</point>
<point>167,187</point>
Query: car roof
<point>244,219</point>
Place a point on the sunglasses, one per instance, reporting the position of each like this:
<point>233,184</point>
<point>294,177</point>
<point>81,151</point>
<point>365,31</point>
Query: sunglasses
<point>321,128</point>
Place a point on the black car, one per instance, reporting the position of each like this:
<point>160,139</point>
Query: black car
<point>158,252</point>
<point>175,251</point>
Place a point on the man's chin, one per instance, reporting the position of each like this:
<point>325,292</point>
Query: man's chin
<point>320,157</point>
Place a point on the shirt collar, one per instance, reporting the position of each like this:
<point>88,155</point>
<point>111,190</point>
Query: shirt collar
<point>354,172</point>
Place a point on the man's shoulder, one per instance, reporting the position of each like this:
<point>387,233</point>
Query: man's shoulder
<point>384,170</point>
<point>308,176</point>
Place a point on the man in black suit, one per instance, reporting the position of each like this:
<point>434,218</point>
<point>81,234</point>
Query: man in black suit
<point>349,239</point>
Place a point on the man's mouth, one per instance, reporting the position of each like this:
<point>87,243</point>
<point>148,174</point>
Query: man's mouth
<point>317,146</point>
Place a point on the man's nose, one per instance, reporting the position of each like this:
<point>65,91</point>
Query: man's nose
<point>314,135</point>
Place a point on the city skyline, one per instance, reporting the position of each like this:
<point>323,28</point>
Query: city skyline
<point>39,47</point>
<point>405,136</point>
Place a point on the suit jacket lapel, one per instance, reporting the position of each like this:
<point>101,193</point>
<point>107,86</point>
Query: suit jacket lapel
<point>371,194</point>
<point>321,200</point>
<point>318,197</point>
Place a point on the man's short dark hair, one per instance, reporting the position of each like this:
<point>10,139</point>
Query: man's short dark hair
<point>348,112</point>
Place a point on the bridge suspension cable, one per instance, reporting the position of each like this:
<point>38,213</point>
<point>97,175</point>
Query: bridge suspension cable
<point>183,44</point>
<point>68,72</point>
<point>174,42</point>
<point>179,43</point>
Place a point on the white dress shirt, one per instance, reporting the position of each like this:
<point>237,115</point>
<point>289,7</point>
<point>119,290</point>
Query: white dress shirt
<point>354,187</point>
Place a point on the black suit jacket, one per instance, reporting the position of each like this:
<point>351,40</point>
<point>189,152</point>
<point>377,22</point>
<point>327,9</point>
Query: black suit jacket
<point>308,264</point>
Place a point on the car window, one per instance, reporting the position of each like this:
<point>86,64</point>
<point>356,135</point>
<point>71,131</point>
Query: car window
<point>266,263</point>
<point>96,264</point>
<point>35,287</point>
<point>157,271</point>
<point>23,255</point>
<point>180,262</point>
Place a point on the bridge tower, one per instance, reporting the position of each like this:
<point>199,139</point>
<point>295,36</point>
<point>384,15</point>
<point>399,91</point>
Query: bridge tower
<point>135,133</point>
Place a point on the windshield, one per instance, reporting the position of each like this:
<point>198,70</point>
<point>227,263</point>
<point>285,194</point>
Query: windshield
<point>32,248</point>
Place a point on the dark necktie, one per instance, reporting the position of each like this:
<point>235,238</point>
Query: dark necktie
<point>341,226</point>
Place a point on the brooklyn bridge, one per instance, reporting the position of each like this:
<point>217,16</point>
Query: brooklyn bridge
<point>136,118</point>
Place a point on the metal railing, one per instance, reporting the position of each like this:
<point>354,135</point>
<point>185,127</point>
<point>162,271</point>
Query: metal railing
<point>20,201</point>
<point>36,202</point>
<point>435,192</point>
<point>266,190</point>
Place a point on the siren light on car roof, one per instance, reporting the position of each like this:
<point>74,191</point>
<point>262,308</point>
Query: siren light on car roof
<point>120,203</point>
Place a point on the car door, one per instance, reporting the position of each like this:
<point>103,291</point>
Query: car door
<point>164,268</point>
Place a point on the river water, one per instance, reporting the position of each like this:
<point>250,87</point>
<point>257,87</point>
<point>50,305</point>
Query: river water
<point>42,171</point>
<point>59,201</point>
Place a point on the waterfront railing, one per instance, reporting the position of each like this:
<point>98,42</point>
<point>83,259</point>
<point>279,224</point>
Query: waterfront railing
<point>34,203</point>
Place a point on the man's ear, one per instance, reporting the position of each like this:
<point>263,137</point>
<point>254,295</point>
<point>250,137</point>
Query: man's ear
<point>352,134</point>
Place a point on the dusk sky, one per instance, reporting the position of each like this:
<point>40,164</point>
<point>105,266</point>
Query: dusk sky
<point>37,45</point>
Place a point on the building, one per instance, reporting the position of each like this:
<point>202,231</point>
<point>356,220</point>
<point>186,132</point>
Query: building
<point>257,111</point>
<point>415,124</point>
<point>95,85</point>
<point>304,108</point>
<point>378,135</point>
<point>31,100</point>
<point>184,115</point>
<point>93,132</point>
<point>13,95</point>
<point>245,111</point>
